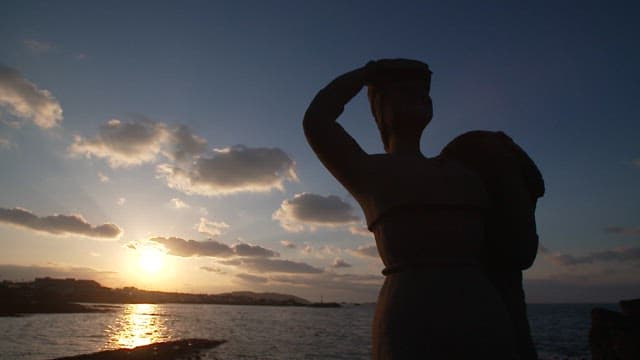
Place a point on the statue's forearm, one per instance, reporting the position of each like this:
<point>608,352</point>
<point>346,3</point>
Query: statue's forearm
<point>330,101</point>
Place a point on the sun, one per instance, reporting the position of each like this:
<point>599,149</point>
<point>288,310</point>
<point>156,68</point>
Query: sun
<point>151,259</point>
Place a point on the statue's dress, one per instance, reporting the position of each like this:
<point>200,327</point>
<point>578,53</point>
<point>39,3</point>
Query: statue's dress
<point>428,218</point>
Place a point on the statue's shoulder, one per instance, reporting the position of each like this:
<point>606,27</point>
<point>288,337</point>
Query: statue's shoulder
<point>493,153</point>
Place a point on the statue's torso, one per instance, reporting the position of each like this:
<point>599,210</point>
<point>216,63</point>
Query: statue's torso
<point>421,208</point>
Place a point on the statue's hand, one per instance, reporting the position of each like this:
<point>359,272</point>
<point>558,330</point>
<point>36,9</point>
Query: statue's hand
<point>390,70</point>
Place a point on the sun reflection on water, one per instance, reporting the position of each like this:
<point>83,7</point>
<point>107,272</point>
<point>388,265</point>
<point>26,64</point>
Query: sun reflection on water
<point>139,324</point>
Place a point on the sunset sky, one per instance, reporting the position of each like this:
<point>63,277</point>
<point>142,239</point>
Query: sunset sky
<point>160,145</point>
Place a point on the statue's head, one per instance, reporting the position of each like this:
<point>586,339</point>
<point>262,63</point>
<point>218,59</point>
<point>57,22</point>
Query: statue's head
<point>398,93</point>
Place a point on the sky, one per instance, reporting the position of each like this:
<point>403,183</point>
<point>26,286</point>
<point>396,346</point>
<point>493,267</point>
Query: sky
<point>159,144</point>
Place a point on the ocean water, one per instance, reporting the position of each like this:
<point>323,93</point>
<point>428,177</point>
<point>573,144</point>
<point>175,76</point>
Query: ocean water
<point>254,332</point>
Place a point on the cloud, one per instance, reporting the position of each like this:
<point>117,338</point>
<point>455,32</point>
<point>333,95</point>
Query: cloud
<point>288,244</point>
<point>38,46</point>
<point>632,231</point>
<point>308,211</point>
<point>366,251</point>
<point>231,170</point>
<point>129,143</point>
<point>212,228</point>
<point>339,263</point>
<point>252,278</point>
<point>243,249</point>
<point>636,162</point>
<point>179,204</point>
<point>123,143</point>
<point>58,224</point>
<point>360,231</point>
<point>212,269</point>
<point>121,201</point>
<point>265,265</point>
<point>626,254</point>
<point>103,178</point>
<point>25,100</point>
<point>211,248</point>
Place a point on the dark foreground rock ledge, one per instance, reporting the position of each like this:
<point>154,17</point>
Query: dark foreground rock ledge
<point>616,335</point>
<point>168,350</point>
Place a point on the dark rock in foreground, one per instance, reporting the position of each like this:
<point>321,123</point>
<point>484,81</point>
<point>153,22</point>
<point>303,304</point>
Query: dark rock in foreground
<point>616,335</point>
<point>178,349</point>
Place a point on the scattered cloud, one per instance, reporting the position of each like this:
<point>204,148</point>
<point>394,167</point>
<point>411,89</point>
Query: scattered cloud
<point>623,254</point>
<point>308,211</point>
<point>360,230</point>
<point>212,269</point>
<point>81,56</point>
<point>366,251</point>
<point>38,46</point>
<point>103,178</point>
<point>252,278</point>
<point>339,263</point>
<point>123,143</point>
<point>266,265</point>
<point>121,201</point>
<point>211,248</point>
<point>231,170</point>
<point>24,100</point>
<point>288,244</point>
<point>636,162</point>
<point>212,228</point>
<point>58,224</point>
<point>129,143</point>
<point>179,204</point>
<point>632,231</point>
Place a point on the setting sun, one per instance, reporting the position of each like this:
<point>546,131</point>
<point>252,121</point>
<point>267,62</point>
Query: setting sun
<point>151,259</point>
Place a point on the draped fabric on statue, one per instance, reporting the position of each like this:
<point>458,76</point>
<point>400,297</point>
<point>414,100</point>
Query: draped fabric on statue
<point>514,183</point>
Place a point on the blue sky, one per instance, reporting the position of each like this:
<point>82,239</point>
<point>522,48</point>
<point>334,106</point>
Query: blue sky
<point>560,78</point>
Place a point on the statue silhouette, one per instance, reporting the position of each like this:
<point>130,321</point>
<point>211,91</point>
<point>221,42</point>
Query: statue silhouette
<point>431,218</point>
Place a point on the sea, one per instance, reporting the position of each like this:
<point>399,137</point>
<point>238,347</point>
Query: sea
<point>560,331</point>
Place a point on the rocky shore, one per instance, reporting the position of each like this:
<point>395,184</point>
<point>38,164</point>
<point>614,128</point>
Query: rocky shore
<point>616,335</point>
<point>168,350</point>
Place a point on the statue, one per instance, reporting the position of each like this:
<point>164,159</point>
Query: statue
<point>431,219</point>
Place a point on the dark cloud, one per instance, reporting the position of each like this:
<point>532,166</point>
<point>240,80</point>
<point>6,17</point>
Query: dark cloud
<point>58,224</point>
<point>367,251</point>
<point>629,254</point>
<point>279,266</point>
<point>288,244</point>
<point>26,101</point>
<point>128,143</point>
<point>212,269</point>
<point>231,170</point>
<point>123,143</point>
<point>339,263</point>
<point>308,210</point>
<point>211,248</point>
<point>252,278</point>
<point>632,231</point>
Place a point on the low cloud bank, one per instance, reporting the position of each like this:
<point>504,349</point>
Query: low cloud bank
<point>211,248</point>
<point>58,224</point>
